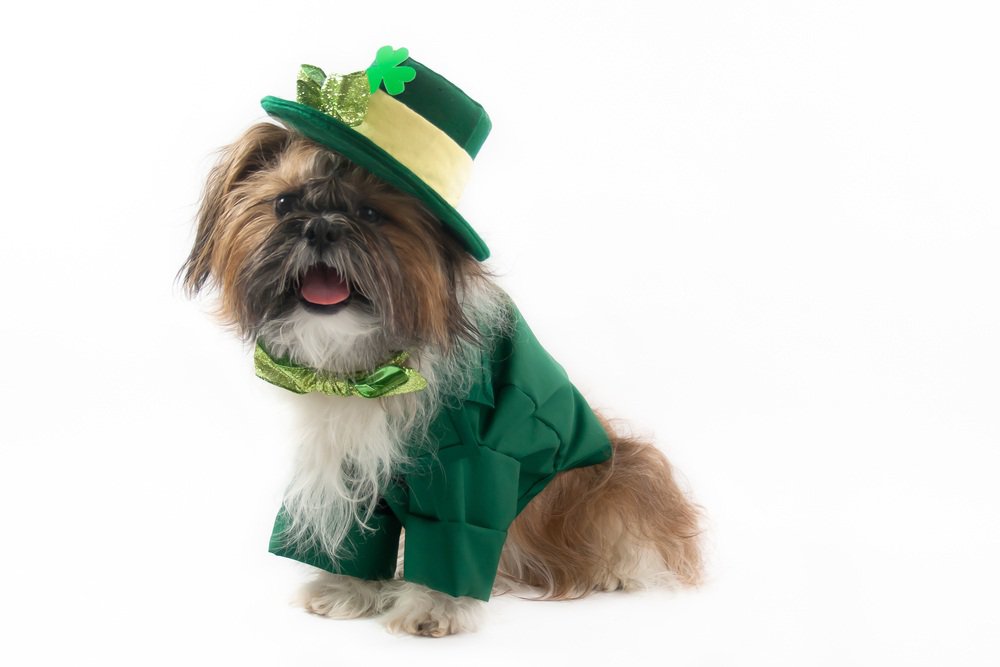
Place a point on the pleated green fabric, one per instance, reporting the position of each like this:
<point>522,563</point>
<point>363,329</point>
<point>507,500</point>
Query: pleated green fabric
<point>522,422</point>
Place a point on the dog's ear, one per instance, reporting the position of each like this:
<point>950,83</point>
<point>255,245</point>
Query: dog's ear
<point>248,154</point>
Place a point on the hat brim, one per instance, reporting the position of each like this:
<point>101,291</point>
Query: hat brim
<point>341,138</point>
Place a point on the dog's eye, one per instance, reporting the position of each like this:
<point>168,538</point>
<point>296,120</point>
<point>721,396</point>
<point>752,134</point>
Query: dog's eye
<point>369,214</point>
<point>284,204</point>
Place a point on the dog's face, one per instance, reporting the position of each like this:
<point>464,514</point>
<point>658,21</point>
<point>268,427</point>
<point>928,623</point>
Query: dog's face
<point>290,232</point>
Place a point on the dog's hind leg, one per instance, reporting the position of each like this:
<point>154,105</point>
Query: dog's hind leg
<point>623,524</point>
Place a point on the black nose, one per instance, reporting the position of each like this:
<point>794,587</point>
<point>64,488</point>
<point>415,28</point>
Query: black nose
<point>320,233</point>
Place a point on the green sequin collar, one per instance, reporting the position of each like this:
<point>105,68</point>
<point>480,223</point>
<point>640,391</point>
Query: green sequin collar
<point>389,379</point>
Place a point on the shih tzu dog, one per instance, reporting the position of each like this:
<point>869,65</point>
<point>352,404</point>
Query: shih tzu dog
<point>430,411</point>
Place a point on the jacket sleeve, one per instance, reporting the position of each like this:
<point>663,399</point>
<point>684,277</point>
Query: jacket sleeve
<point>369,552</point>
<point>459,512</point>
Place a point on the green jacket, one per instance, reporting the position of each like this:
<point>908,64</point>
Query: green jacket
<point>522,422</point>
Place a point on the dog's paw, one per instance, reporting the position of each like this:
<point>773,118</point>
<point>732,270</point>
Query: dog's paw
<point>337,596</point>
<point>637,567</point>
<point>420,611</point>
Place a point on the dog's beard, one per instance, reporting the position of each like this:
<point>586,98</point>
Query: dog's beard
<point>332,308</point>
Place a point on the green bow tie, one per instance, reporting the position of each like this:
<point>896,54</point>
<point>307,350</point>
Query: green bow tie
<point>390,379</point>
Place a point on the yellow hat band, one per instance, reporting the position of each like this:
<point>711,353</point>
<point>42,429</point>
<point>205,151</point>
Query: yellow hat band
<point>417,144</point>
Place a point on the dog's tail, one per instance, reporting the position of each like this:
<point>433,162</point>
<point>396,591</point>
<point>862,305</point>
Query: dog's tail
<point>619,525</point>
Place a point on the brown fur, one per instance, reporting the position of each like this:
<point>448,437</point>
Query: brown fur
<point>585,531</point>
<point>422,266</point>
<point>250,153</point>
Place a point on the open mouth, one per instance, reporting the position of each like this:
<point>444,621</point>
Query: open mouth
<point>323,290</point>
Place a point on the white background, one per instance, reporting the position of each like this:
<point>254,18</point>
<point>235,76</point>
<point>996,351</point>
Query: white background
<point>765,233</point>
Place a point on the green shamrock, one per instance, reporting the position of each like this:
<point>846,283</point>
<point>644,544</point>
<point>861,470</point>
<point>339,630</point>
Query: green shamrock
<point>387,67</point>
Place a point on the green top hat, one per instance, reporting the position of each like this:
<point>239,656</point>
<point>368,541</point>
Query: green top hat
<point>400,120</point>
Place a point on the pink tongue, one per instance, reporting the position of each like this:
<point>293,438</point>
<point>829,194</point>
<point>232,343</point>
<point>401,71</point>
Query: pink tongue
<point>323,286</point>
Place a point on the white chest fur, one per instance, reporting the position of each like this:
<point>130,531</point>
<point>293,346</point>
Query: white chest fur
<point>348,450</point>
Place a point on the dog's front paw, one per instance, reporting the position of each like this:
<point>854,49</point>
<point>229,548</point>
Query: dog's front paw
<point>418,610</point>
<point>337,596</point>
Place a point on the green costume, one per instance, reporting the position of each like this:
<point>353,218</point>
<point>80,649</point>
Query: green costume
<point>522,423</point>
